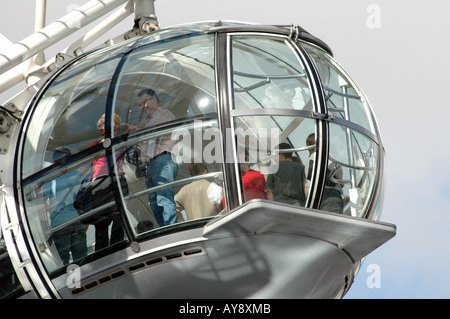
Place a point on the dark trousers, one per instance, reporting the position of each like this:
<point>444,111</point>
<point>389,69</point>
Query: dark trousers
<point>101,233</point>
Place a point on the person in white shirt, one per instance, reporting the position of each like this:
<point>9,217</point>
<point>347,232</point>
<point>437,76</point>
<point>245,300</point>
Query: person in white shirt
<point>200,198</point>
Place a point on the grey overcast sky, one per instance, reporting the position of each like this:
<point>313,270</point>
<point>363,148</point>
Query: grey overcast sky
<point>396,51</point>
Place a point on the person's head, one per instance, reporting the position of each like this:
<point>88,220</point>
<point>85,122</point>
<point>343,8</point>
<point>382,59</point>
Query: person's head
<point>245,161</point>
<point>61,154</point>
<point>197,169</point>
<point>101,123</point>
<point>311,140</point>
<point>148,99</point>
<point>285,155</point>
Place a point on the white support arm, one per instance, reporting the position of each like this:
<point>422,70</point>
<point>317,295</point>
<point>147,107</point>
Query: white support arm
<point>55,32</point>
<point>78,47</point>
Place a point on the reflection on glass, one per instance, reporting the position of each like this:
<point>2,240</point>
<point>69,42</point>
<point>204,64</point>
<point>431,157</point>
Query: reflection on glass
<point>267,73</point>
<point>358,161</point>
<point>64,230</point>
<point>343,98</point>
<point>180,72</point>
<point>67,115</point>
<point>59,197</point>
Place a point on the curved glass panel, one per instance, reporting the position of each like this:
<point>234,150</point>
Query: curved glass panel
<point>273,148</point>
<point>64,122</point>
<point>356,156</point>
<point>161,117</point>
<point>271,88</point>
<point>182,185</point>
<point>63,228</point>
<point>351,171</point>
<point>267,73</point>
<point>180,73</point>
<point>158,88</point>
<point>344,99</point>
<point>67,113</point>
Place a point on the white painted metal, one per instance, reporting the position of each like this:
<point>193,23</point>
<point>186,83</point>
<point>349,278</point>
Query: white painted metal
<point>78,47</point>
<point>55,32</point>
<point>25,60</point>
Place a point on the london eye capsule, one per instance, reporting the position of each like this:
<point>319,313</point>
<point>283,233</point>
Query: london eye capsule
<point>210,160</point>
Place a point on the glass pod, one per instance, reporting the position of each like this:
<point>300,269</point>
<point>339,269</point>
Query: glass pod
<point>222,107</point>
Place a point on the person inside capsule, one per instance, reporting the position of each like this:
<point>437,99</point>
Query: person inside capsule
<point>200,198</point>
<point>253,181</point>
<point>288,183</point>
<point>60,197</point>
<point>158,154</point>
<point>332,194</point>
<point>102,193</point>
